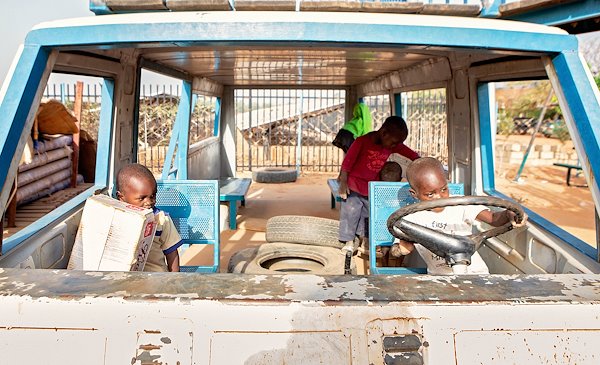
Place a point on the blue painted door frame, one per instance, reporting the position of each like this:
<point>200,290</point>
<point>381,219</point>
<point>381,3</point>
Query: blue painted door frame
<point>581,107</point>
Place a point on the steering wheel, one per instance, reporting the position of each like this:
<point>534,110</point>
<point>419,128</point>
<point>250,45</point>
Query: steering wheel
<point>455,249</point>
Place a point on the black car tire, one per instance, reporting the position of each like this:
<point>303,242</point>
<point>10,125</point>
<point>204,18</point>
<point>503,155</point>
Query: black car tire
<point>274,175</point>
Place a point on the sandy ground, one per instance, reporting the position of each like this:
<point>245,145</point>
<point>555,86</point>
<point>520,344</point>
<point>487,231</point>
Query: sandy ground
<point>542,189</point>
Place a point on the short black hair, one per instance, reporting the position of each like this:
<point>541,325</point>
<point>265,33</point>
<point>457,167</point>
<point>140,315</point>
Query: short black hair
<point>391,171</point>
<point>416,168</point>
<point>134,170</point>
<point>395,124</point>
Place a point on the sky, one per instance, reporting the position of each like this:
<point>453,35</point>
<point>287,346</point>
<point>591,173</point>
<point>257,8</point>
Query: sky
<point>20,16</point>
<point>24,14</point>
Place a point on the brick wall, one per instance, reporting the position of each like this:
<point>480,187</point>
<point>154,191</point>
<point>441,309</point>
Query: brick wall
<point>541,154</point>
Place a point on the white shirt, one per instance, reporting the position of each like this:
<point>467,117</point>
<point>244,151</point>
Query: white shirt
<point>455,220</point>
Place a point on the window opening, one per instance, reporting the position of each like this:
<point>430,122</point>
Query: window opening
<point>59,159</point>
<point>542,173</point>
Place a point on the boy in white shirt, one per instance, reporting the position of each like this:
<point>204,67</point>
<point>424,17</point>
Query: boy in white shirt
<point>427,180</point>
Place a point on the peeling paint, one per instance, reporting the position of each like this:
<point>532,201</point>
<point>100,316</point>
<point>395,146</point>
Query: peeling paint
<point>115,276</point>
<point>250,297</point>
<point>258,279</point>
<point>359,290</point>
<point>94,274</point>
<point>354,289</point>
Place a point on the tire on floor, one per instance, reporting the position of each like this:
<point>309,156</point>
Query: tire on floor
<point>282,257</point>
<point>274,175</point>
<point>305,230</point>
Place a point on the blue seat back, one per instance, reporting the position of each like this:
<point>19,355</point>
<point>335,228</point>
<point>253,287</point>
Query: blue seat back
<point>384,199</point>
<point>193,205</point>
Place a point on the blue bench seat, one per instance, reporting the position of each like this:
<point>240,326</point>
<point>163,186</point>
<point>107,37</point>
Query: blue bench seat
<point>232,190</point>
<point>334,187</point>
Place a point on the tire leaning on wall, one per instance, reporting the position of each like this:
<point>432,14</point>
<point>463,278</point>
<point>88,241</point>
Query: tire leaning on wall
<point>303,230</point>
<point>274,175</point>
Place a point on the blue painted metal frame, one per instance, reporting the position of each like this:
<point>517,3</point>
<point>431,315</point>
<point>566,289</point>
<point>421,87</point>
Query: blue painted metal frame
<point>583,105</point>
<point>217,121</point>
<point>180,136</point>
<point>201,31</point>
<point>16,106</point>
<point>194,208</point>
<point>167,171</point>
<point>485,130</point>
<point>105,133</point>
<point>578,89</point>
<point>384,199</point>
<point>184,113</point>
<point>398,104</point>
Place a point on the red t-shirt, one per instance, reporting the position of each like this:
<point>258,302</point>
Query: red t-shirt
<point>365,159</point>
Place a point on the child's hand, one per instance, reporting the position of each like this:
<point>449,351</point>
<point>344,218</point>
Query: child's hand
<point>401,248</point>
<point>344,191</point>
<point>512,219</point>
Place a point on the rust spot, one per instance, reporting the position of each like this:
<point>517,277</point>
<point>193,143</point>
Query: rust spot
<point>152,331</point>
<point>149,347</point>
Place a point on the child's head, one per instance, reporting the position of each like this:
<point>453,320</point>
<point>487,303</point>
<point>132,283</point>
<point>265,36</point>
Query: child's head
<point>391,171</point>
<point>427,179</point>
<point>392,132</point>
<point>136,185</point>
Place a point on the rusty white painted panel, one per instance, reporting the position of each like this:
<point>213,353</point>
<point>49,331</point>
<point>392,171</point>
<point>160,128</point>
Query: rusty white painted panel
<point>164,346</point>
<point>255,331</point>
<point>204,319</point>
<point>54,345</point>
<point>290,348</point>
<point>556,347</point>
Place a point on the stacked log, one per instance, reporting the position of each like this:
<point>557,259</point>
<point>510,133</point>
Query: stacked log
<point>49,171</point>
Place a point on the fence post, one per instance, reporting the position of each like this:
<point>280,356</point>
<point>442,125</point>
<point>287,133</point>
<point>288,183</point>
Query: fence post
<point>299,134</point>
<point>75,146</point>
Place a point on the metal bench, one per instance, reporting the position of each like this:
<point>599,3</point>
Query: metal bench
<point>334,187</point>
<point>193,205</point>
<point>384,199</point>
<point>232,190</point>
<point>569,167</point>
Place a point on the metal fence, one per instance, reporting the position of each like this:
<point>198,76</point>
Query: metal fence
<point>158,109</point>
<point>425,115</point>
<point>275,127</point>
<point>288,128</point>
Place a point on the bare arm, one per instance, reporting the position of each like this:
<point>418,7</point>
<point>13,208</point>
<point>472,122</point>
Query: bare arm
<point>173,261</point>
<point>500,218</point>
<point>344,191</point>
